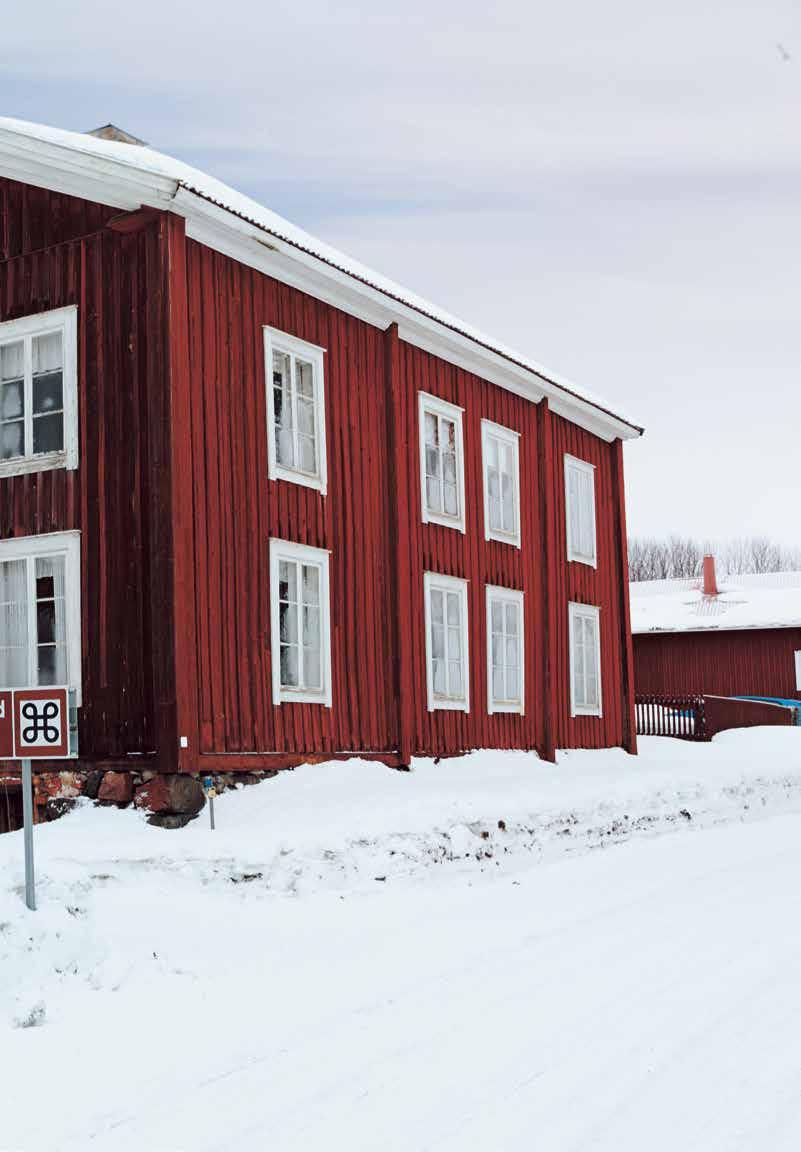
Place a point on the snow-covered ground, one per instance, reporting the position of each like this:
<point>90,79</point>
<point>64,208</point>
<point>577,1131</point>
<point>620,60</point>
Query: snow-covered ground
<point>488,953</point>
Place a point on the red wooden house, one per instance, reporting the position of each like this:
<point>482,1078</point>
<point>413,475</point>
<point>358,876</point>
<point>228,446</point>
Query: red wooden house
<point>735,636</point>
<point>258,504</point>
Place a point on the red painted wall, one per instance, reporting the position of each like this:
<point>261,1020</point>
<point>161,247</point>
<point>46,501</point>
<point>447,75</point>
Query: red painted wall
<point>743,662</point>
<point>379,546</point>
<point>176,512</point>
<point>56,251</point>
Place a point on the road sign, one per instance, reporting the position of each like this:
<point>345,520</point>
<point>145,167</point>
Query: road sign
<point>41,724</point>
<point>6,726</point>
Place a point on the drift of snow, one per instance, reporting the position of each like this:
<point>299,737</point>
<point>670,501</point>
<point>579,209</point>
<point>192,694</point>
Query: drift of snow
<point>764,600</point>
<point>361,959</point>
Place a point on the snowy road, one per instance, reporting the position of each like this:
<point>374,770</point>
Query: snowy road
<point>643,996</point>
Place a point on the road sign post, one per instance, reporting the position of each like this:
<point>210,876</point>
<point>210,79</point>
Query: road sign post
<point>34,725</point>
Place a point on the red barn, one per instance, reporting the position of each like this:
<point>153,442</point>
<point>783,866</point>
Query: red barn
<point>259,504</point>
<point>735,636</point>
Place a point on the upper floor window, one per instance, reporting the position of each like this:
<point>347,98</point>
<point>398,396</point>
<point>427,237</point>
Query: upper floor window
<point>446,642</point>
<point>499,447</point>
<point>295,410</point>
<point>40,611</point>
<point>580,510</point>
<point>38,392</point>
<point>505,663</point>
<point>301,631</point>
<point>441,462</point>
<point>585,660</point>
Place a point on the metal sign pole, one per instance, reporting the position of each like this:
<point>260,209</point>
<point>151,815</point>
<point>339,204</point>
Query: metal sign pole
<point>27,816</point>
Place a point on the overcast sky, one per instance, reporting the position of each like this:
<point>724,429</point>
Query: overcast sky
<point>613,188</point>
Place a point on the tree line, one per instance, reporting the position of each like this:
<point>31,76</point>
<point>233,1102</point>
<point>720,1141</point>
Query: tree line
<point>677,557</point>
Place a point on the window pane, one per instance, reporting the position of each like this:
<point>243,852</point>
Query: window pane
<point>453,608</point>
<point>454,644</point>
<point>438,677</point>
<point>287,581</point>
<point>306,416</point>
<point>512,685</point>
<point>511,619</point>
<point>455,680</point>
<point>12,361</point>
<point>288,623</point>
<point>433,494</point>
<point>307,456</point>
<point>432,429</point>
<point>497,684</point>
<point>47,393</point>
<point>304,375</point>
<point>48,433</point>
<point>451,502</point>
<point>432,461</point>
<point>497,616</point>
<point>449,436</point>
<point>11,400</point>
<point>437,607</point>
<point>312,675</point>
<point>13,624</point>
<point>46,621</point>
<point>511,651</point>
<point>438,642</point>
<point>311,627</point>
<point>449,467</point>
<point>46,353</point>
<point>311,584</point>
<point>289,666</point>
<point>282,405</point>
<point>497,651</point>
<point>12,440</point>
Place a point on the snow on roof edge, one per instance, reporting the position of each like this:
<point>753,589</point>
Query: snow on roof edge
<point>770,600</point>
<point>221,195</point>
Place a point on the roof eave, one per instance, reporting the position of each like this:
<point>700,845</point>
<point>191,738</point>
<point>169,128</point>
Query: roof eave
<point>110,181</point>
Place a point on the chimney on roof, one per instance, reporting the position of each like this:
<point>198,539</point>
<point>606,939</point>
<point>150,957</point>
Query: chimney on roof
<point>112,132</point>
<point>710,582</point>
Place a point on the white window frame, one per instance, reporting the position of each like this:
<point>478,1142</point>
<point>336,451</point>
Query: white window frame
<point>798,671</point>
<point>276,341</point>
<point>434,581</point>
<point>585,468</point>
<point>589,611</point>
<point>437,407</point>
<point>507,437</point>
<point>300,553</point>
<point>68,545</point>
<point>65,321</point>
<point>506,596</point>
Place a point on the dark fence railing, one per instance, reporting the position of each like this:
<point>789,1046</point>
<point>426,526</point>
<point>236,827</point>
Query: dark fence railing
<point>680,716</point>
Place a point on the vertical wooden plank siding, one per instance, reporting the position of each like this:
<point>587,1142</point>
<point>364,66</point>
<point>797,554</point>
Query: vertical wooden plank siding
<point>627,648</point>
<point>742,662</point>
<point>176,512</point>
<point>54,252</point>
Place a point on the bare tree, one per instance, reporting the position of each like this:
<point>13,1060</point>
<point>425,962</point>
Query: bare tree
<point>681,557</point>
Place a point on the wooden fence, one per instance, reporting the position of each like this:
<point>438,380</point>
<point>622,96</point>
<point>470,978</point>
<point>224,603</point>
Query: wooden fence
<point>680,716</point>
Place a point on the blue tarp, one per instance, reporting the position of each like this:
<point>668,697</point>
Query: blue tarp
<point>777,700</point>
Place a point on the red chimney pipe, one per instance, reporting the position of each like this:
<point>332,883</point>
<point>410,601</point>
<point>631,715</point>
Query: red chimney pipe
<point>710,583</point>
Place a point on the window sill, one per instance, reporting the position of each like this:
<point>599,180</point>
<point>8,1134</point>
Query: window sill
<point>502,538</point>
<point>286,697</point>
<point>278,472</point>
<point>448,706</point>
<point>508,709</point>
<point>25,465</point>
<point>444,521</point>
<point>575,713</point>
<point>588,561</point>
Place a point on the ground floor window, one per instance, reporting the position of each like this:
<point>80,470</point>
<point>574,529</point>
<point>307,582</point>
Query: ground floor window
<point>40,611</point>
<point>585,660</point>
<point>504,650</point>
<point>301,631</point>
<point>446,642</point>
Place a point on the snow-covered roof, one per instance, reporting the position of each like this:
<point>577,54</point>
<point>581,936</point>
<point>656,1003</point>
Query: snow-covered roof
<point>764,600</point>
<point>128,175</point>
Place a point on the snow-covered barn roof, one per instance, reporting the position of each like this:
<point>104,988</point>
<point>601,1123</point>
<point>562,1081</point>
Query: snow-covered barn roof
<point>766,600</point>
<point>128,176</point>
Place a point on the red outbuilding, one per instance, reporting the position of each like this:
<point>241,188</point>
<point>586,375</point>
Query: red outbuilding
<point>260,505</point>
<point>723,636</point>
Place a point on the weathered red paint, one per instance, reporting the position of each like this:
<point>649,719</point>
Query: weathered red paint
<point>739,662</point>
<point>176,513</point>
